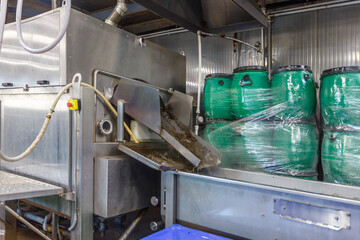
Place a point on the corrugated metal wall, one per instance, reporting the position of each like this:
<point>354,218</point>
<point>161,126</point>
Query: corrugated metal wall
<point>321,39</point>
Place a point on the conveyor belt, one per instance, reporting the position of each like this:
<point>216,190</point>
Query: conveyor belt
<point>13,187</point>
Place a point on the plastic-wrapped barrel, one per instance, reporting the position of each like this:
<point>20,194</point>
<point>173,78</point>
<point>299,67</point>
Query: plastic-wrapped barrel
<point>217,96</point>
<point>295,149</point>
<point>340,156</point>
<point>340,96</point>
<point>251,146</point>
<point>219,134</point>
<point>250,91</point>
<point>293,91</point>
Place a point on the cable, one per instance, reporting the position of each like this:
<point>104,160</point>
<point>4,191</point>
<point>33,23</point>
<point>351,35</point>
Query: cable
<point>3,11</point>
<point>61,34</point>
<point>48,118</point>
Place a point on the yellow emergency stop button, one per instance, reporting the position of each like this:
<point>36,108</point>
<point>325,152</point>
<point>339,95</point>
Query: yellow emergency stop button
<point>73,104</point>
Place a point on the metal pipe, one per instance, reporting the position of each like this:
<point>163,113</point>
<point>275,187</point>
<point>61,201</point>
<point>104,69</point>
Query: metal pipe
<point>120,121</point>
<point>132,226</point>
<point>269,48</point>
<point>33,217</point>
<point>24,221</point>
<point>242,42</point>
<point>74,219</point>
<point>313,7</point>
<point>199,83</point>
<point>263,45</point>
<point>53,4</point>
<point>109,74</point>
<point>164,33</point>
<point>117,14</point>
<point>40,220</point>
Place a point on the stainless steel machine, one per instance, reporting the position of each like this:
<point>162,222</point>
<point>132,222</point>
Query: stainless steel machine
<point>86,165</point>
<point>78,168</point>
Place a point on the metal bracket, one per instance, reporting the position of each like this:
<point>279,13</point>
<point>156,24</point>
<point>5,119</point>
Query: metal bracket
<point>142,42</point>
<point>76,86</point>
<point>70,196</point>
<point>320,216</point>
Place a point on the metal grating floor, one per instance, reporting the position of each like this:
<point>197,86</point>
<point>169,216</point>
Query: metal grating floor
<point>13,187</point>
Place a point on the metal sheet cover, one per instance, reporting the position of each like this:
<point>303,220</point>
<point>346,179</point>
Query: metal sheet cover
<point>13,187</point>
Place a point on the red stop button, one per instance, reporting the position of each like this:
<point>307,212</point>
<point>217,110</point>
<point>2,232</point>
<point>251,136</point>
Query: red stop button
<point>69,104</point>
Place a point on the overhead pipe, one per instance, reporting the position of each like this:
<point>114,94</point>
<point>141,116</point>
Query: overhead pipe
<point>242,42</point>
<point>3,11</point>
<point>117,14</point>
<point>55,42</point>
<point>164,33</point>
<point>313,7</point>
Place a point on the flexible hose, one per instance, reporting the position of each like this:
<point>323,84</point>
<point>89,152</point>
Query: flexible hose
<point>112,109</point>
<point>3,11</point>
<point>42,131</point>
<point>48,118</point>
<point>61,34</point>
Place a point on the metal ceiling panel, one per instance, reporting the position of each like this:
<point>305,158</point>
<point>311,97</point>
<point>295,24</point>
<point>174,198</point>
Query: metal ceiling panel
<point>93,5</point>
<point>186,13</point>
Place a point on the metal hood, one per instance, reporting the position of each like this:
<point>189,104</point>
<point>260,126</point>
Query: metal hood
<point>211,16</point>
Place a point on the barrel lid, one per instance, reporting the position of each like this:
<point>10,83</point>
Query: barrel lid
<point>292,68</point>
<point>338,70</point>
<point>218,75</point>
<point>249,68</point>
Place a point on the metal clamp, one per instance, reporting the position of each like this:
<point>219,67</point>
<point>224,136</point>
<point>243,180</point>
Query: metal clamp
<point>76,86</point>
<point>246,78</point>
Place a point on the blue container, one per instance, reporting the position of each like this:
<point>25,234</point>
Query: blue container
<point>178,232</point>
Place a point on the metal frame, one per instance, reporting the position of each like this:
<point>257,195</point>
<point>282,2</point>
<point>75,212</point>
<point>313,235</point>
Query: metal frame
<point>281,207</point>
<point>84,168</point>
<point>254,11</point>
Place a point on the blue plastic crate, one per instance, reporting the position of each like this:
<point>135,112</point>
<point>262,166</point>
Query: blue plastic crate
<point>178,232</point>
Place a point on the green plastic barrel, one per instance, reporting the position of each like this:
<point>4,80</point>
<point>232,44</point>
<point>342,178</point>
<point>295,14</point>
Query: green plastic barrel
<point>220,136</point>
<point>340,156</point>
<point>217,96</point>
<point>293,92</point>
<point>340,96</point>
<point>295,149</point>
<point>250,91</point>
<point>252,145</point>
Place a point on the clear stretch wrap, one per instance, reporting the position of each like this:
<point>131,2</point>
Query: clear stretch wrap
<point>280,135</point>
<point>340,98</point>
<point>340,157</point>
<point>340,111</point>
<point>260,143</point>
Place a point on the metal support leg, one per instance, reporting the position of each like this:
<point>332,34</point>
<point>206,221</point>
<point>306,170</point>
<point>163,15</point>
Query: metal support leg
<point>170,199</point>
<point>55,226</point>
<point>84,167</point>
<point>11,222</point>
